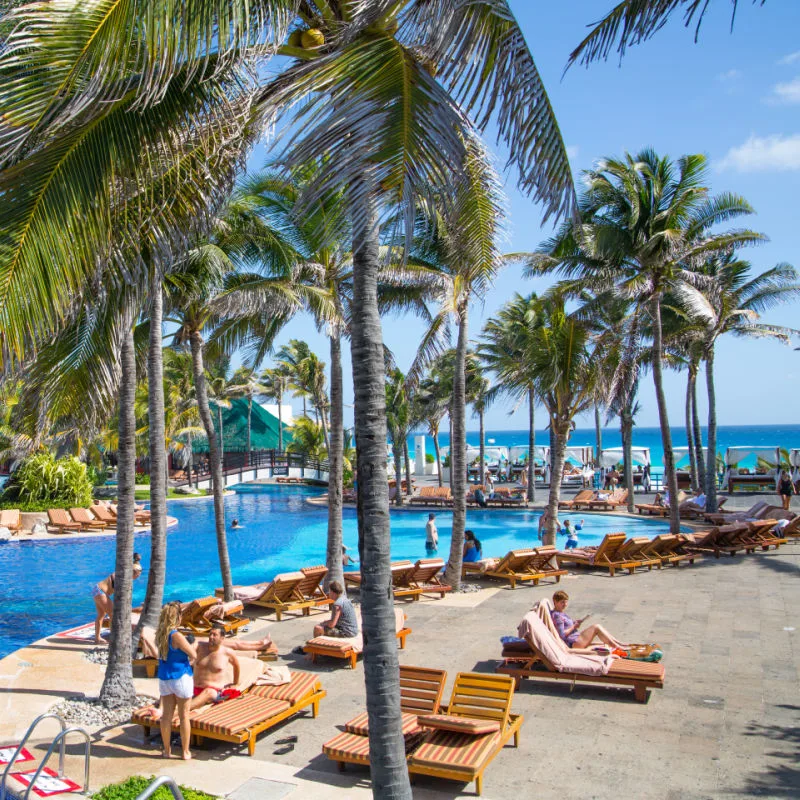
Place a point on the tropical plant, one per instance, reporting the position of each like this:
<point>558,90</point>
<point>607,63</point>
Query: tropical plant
<point>308,439</point>
<point>399,419</point>
<point>725,297</point>
<point>291,357</point>
<point>276,383</point>
<point>245,383</point>
<point>644,222</point>
<point>41,478</point>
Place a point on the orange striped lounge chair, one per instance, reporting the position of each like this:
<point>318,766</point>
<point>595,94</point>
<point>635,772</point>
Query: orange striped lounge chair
<point>350,649</point>
<point>242,719</point>
<point>420,694</point>
<point>606,556</point>
<point>61,522</point>
<point>86,520</point>
<point>11,518</point>
<point>529,659</point>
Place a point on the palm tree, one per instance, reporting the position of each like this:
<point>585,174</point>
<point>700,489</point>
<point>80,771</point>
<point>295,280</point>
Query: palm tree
<point>307,438</point>
<point>275,381</point>
<point>183,421</point>
<point>291,357</point>
<point>726,299</point>
<point>632,22</point>
<point>399,418</point>
<point>220,389</point>
<point>245,383</point>
<point>430,400</point>
<point>408,64</point>
<point>477,390</point>
<point>505,346</point>
<point>644,221</point>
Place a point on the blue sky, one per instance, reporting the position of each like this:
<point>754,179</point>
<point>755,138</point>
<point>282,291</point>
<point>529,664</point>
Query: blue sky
<point>733,96</point>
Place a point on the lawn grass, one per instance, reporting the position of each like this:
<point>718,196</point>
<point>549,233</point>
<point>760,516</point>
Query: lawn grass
<point>144,494</point>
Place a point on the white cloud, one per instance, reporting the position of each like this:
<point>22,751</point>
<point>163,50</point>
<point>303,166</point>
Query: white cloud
<point>764,154</point>
<point>792,58</point>
<point>572,151</point>
<point>730,75</point>
<point>786,93</point>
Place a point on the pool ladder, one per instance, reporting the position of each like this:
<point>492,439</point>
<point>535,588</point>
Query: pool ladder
<point>59,740</point>
<point>165,780</point>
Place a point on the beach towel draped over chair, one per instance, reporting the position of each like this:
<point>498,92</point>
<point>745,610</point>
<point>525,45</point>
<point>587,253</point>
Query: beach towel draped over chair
<point>199,615</point>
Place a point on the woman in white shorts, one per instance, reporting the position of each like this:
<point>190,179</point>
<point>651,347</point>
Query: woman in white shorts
<point>175,681</point>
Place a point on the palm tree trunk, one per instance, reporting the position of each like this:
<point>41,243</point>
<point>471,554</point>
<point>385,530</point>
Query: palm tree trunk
<point>692,460</point>
<point>560,434</point>
<point>118,689</point>
<point>697,436</point>
<point>389,771</point>
<point>221,438</point>
<point>626,432</point>
<point>333,557</point>
<point>531,447</point>
<point>158,462</point>
<point>711,461</point>
<point>324,424</point>
<point>438,456</point>
<point>190,457</point>
<point>214,456</point>
<point>397,455</point>
<point>598,434</point>
<point>671,479</point>
<point>458,444</point>
<point>481,448</point>
<point>249,423</point>
<point>407,460</point>
<point>450,422</point>
<point>280,425</point>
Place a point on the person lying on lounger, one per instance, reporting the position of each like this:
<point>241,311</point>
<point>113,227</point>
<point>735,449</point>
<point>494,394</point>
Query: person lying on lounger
<point>568,627</point>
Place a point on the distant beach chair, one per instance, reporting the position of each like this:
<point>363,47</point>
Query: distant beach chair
<point>196,619</point>
<point>606,556</point>
<point>86,520</point>
<point>280,594</point>
<point>61,522</point>
<point>11,518</point>
<point>582,497</point>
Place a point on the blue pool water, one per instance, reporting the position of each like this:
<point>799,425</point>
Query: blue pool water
<point>45,586</point>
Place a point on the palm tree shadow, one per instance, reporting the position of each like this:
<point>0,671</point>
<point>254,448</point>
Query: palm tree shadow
<point>782,777</point>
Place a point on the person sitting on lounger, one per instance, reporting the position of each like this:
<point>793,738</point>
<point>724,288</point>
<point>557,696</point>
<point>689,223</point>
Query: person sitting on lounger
<point>472,548</point>
<point>343,622</point>
<point>696,503</point>
<point>480,497</point>
<point>658,500</point>
<point>568,628</point>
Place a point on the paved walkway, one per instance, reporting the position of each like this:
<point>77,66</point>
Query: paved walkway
<point>725,725</point>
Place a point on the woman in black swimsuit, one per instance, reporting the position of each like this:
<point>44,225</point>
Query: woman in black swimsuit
<point>785,489</point>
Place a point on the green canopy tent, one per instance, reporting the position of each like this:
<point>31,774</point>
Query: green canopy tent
<point>263,429</point>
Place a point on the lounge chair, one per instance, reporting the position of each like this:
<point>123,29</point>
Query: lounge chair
<point>583,496</point>
<point>504,497</point>
<point>103,513</point>
<point>762,533</point>
<point>194,619</point>
<point>280,594</point>
<point>544,655</point>
<point>619,497</point>
<point>606,556</point>
<point>635,549</point>
<point>11,518</point>
<point>86,520</point>
<point>432,495</point>
<point>61,522</point>
<point>421,580</point>
<point>514,567</point>
<point>353,579</point>
<point>667,548</point>
<point>460,744</point>
<point>720,539</point>
<point>311,587</point>
<point>724,518</point>
<point>350,649</point>
<point>420,694</point>
<point>244,718</point>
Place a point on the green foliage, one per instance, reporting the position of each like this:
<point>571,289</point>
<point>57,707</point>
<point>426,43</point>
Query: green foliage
<point>132,787</point>
<point>41,478</point>
<point>142,479</point>
<point>97,475</point>
<point>429,459</point>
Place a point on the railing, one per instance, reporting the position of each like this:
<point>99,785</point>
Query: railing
<point>277,461</point>
<point>60,740</point>
<point>165,780</point>
<point>31,728</point>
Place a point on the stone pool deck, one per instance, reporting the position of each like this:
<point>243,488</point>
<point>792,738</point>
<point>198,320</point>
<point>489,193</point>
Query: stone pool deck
<point>725,724</point>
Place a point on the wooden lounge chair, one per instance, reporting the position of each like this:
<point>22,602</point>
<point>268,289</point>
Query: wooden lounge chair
<point>513,567</point>
<point>311,587</point>
<point>280,595</point>
<point>583,496</point>
<point>667,548</point>
<point>724,518</point>
<point>461,744</point>
<point>719,539</point>
<point>544,564</point>
<point>242,719</point>
<point>762,533</point>
<point>652,509</point>
<point>103,513</point>
<point>606,556</point>
<point>353,579</point>
<point>432,495</point>
<point>86,520</point>
<point>420,694</point>
<point>350,649</point>
<point>635,549</point>
<point>421,580</point>
<point>194,620</point>
<point>61,522</point>
<point>504,497</point>
<point>11,518</point>
<point>619,497</point>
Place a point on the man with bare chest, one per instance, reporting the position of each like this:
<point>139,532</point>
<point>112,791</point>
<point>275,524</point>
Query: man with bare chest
<point>213,659</point>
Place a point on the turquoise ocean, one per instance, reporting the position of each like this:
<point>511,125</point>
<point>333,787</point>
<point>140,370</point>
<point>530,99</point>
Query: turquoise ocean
<point>785,436</point>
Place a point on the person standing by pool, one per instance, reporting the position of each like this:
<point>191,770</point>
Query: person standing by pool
<point>346,559</point>
<point>785,489</point>
<point>431,534</point>
<point>175,678</point>
<point>102,593</point>
<point>344,621</point>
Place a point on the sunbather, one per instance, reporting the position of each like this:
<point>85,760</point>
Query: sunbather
<point>102,593</point>
<point>568,628</point>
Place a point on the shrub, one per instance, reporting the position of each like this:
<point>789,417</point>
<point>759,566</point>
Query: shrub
<point>97,475</point>
<point>41,478</point>
<point>134,786</point>
<point>429,459</point>
<point>142,479</point>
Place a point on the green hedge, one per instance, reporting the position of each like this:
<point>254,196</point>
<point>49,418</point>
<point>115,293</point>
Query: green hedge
<point>41,480</point>
<point>41,505</point>
<point>131,788</point>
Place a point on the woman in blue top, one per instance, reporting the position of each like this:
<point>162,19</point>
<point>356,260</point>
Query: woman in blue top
<point>175,681</point>
<point>472,548</point>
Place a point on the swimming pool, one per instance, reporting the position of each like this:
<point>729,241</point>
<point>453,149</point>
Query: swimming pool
<point>45,585</point>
